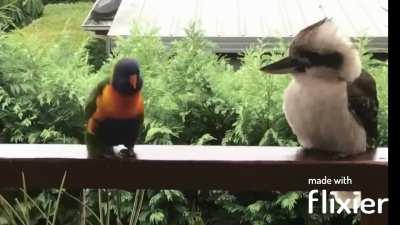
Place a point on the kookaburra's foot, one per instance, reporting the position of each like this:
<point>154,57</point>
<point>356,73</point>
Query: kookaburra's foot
<point>350,155</point>
<point>327,154</point>
<point>338,156</point>
<point>127,153</point>
<point>101,155</point>
<point>107,156</point>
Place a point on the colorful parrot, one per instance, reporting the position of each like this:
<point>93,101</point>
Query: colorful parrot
<point>115,111</point>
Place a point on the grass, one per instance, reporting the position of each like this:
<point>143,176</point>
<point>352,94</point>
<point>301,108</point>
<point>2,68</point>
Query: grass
<point>27,210</point>
<point>48,29</point>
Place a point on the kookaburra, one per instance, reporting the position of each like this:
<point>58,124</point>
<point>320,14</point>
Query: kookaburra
<point>331,104</point>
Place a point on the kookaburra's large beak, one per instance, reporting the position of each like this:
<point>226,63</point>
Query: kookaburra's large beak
<point>284,66</point>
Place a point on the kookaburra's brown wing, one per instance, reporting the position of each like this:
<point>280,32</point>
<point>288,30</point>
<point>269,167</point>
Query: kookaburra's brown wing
<point>363,104</point>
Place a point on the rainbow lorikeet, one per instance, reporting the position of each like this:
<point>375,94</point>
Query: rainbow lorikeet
<point>115,111</point>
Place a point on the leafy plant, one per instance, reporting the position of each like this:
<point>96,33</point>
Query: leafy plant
<point>97,52</point>
<point>10,14</point>
<point>33,8</point>
<point>17,13</point>
<point>21,213</point>
<point>42,93</point>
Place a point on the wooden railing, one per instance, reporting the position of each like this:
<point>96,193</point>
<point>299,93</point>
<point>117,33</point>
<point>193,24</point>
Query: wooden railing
<point>196,167</point>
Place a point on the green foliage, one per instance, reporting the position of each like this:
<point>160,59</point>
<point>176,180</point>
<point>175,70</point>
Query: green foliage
<point>257,99</point>
<point>288,200</point>
<point>17,13</point>
<point>97,52</point>
<point>64,1</point>
<point>27,210</point>
<point>42,93</point>
<point>33,8</point>
<point>10,14</point>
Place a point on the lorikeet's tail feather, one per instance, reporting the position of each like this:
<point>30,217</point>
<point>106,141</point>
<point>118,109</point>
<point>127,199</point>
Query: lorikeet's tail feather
<point>97,149</point>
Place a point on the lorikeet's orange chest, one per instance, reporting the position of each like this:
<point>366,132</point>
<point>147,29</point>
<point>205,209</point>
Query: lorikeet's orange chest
<point>111,104</point>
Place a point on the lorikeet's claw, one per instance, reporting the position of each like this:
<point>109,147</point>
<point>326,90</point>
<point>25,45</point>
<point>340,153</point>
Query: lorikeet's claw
<point>127,153</point>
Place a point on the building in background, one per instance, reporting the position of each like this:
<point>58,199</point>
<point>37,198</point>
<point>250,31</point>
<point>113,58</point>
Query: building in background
<point>234,24</point>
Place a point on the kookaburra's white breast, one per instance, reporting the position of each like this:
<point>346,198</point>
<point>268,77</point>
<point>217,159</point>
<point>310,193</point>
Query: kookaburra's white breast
<point>318,113</point>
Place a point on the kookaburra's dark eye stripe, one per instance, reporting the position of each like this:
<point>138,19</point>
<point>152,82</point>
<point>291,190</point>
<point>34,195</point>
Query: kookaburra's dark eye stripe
<point>333,60</point>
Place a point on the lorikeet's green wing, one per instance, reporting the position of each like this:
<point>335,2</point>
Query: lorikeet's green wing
<point>95,147</point>
<point>91,102</point>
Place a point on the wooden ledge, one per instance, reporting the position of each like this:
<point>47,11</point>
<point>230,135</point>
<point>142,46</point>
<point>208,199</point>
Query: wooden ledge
<point>189,167</point>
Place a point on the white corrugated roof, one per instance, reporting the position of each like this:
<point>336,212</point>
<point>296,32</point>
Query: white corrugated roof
<point>233,24</point>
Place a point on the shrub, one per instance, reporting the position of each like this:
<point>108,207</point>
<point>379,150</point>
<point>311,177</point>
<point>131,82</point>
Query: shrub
<point>33,8</point>
<point>42,93</point>
<point>18,13</point>
<point>10,15</point>
<point>97,52</point>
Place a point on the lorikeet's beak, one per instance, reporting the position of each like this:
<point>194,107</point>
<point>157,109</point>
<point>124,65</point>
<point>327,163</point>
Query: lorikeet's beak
<point>133,80</point>
<point>284,66</point>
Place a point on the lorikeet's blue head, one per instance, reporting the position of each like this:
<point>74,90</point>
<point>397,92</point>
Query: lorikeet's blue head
<point>126,78</point>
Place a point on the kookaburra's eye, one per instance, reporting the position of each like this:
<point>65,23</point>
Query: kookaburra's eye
<point>304,61</point>
<point>332,60</point>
